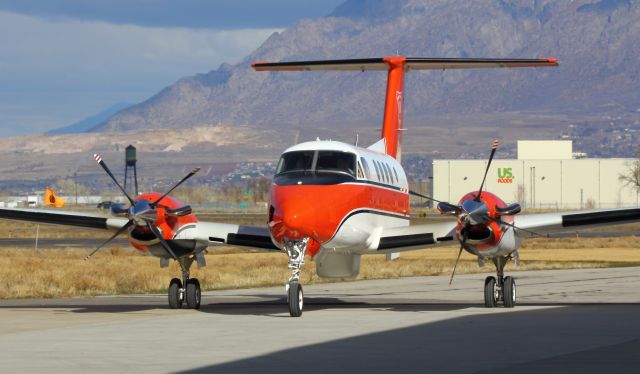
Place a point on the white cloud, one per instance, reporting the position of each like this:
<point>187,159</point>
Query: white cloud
<point>98,58</point>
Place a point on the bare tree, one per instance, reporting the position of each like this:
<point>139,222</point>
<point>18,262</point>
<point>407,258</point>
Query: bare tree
<point>632,177</point>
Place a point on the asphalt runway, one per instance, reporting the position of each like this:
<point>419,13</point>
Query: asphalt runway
<point>585,321</point>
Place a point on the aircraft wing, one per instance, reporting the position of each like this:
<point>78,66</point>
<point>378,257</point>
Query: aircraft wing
<point>416,237</point>
<point>214,233</point>
<point>546,223</point>
<point>66,218</point>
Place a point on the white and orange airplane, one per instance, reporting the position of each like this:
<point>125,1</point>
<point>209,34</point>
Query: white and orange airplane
<point>336,202</point>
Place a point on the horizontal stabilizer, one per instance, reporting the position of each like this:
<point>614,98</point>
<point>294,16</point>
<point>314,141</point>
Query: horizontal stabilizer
<point>410,63</point>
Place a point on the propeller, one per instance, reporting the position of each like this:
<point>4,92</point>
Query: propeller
<point>472,211</point>
<point>143,212</point>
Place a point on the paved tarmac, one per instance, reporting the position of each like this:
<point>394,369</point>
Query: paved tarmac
<point>585,321</point>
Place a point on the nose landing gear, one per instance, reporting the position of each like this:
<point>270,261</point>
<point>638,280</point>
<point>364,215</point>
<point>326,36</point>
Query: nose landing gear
<point>295,250</point>
<point>500,288</point>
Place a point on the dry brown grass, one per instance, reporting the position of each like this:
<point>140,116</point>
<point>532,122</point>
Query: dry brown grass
<point>16,229</point>
<point>53,273</point>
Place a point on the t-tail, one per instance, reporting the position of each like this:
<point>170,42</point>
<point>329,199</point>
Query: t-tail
<point>396,67</point>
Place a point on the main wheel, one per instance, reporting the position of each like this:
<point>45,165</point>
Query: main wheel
<point>193,293</point>
<point>296,299</point>
<point>175,299</point>
<point>490,294</point>
<point>509,292</point>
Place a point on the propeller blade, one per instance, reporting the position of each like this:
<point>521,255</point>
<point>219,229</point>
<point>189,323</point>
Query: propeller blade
<point>106,168</point>
<point>424,196</point>
<point>464,240</point>
<point>499,221</point>
<point>455,265</point>
<point>158,235</point>
<point>446,208</point>
<point>192,173</point>
<point>120,231</point>
<point>494,146</point>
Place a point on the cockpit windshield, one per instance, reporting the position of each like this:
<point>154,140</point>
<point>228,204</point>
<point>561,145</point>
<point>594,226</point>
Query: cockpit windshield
<point>336,161</point>
<point>317,161</point>
<point>295,161</point>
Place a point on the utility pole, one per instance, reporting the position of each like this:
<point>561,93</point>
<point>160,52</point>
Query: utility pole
<point>75,181</point>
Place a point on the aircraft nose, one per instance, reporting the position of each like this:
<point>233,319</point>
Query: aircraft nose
<point>294,215</point>
<point>298,217</point>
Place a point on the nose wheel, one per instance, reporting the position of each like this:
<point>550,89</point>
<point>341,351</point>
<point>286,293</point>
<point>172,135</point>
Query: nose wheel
<point>500,288</point>
<point>295,298</point>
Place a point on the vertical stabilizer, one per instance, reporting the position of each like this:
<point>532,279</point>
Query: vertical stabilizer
<point>393,107</point>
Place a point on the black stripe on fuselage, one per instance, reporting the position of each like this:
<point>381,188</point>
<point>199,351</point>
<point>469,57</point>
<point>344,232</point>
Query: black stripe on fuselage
<point>55,218</point>
<point>596,218</point>
<point>251,241</point>
<point>405,241</point>
<point>325,179</point>
<point>370,211</point>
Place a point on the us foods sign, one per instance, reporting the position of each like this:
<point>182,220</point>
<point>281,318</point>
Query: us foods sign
<point>505,175</point>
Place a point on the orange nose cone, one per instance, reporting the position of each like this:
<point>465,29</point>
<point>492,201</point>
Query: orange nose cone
<point>294,214</point>
<point>298,218</point>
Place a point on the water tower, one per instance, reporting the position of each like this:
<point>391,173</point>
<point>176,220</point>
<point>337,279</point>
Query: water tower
<point>130,165</point>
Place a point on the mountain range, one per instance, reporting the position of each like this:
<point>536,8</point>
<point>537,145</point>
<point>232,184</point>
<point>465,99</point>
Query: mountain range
<point>596,43</point>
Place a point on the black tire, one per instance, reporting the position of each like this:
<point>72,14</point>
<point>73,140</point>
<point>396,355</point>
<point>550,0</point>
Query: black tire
<point>193,294</point>
<point>509,292</point>
<point>295,296</point>
<point>175,301</point>
<point>490,295</point>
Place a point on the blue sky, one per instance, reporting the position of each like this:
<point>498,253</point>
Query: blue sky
<point>64,60</point>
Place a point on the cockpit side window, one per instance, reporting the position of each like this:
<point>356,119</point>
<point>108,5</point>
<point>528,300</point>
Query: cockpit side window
<point>336,161</point>
<point>295,161</point>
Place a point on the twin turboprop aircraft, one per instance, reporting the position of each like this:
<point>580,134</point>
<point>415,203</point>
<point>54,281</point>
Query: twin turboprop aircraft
<point>336,202</point>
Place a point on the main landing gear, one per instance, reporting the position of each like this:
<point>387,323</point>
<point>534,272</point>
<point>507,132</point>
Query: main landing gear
<point>500,288</point>
<point>186,290</point>
<point>295,297</point>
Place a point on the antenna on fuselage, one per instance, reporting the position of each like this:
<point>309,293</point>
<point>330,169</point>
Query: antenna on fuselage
<point>357,137</point>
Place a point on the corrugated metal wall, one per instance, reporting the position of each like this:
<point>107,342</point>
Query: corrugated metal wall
<point>561,184</point>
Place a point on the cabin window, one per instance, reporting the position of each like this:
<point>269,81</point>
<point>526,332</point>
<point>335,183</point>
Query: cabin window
<point>378,175</point>
<point>388,170</point>
<point>295,161</point>
<point>383,177</point>
<point>360,174</point>
<point>385,172</point>
<point>336,161</point>
<point>365,166</point>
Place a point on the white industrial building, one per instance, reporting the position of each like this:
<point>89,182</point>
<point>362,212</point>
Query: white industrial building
<point>546,175</point>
